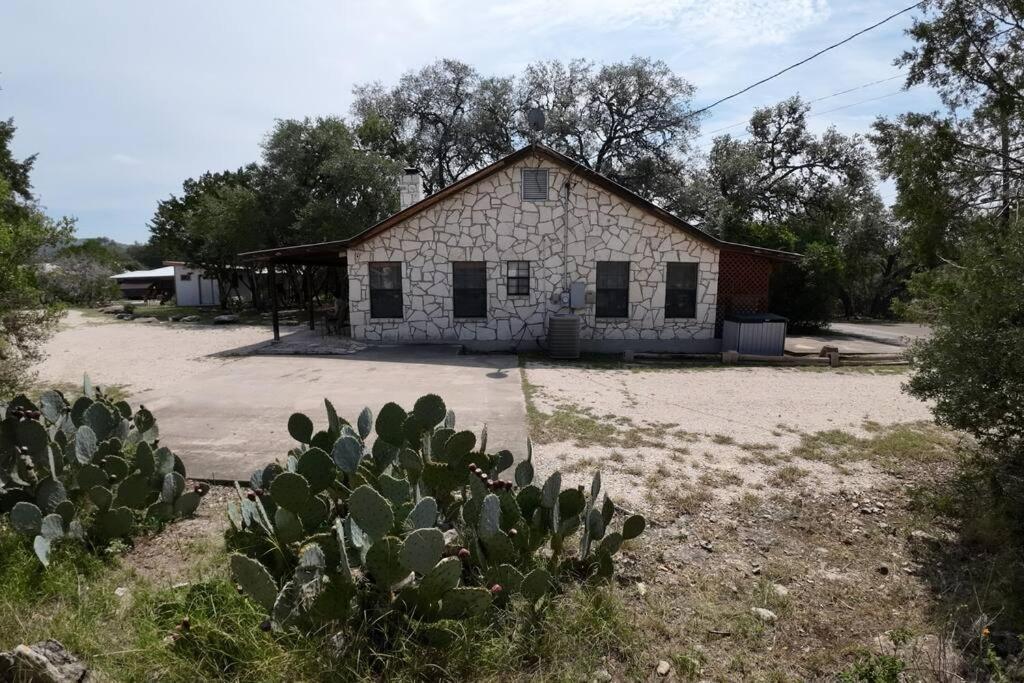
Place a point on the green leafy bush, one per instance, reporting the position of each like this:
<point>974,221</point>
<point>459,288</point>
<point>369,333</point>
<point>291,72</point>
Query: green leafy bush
<point>87,471</point>
<point>419,525</point>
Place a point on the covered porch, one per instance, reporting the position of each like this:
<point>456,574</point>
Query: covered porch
<point>323,269</point>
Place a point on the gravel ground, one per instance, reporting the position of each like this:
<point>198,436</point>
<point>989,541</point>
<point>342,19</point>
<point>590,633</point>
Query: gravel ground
<point>721,430</point>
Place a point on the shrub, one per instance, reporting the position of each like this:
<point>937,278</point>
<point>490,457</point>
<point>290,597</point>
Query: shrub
<point>88,471</point>
<point>79,279</point>
<point>420,526</point>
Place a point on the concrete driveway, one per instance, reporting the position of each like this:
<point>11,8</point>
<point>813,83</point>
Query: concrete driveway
<point>227,416</point>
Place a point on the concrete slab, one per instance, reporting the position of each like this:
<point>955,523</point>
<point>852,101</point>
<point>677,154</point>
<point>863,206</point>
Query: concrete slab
<point>812,344</point>
<point>227,415</point>
<point>229,420</point>
<point>886,332</point>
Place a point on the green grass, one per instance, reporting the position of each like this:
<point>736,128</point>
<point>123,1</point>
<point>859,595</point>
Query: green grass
<point>893,447</point>
<point>138,636</point>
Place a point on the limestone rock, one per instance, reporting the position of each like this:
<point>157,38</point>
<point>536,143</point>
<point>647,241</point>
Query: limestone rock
<point>191,319</point>
<point>765,615</point>
<point>44,662</point>
<point>226,319</point>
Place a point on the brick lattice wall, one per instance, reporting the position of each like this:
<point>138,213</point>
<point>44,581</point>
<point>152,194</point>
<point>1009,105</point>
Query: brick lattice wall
<point>743,282</point>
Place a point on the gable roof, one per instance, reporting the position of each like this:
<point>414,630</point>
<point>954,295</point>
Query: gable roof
<point>167,271</point>
<point>542,151</point>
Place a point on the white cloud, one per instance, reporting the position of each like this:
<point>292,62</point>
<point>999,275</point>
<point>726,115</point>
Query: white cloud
<point>125,159</point>
<point>746,22</point>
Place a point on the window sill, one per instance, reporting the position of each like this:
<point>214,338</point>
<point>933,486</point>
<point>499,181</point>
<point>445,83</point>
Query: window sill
<point>481,319</point>
<point>386,320</point>
<point>612,319</point>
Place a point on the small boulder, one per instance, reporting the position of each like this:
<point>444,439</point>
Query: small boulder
<point>765,615</point>
<point>46,662</point>
<point>125,316</point>
<point>147,319</point>
<point>663,668</point>
<point>780,591</point>
<point>191,319</point>
<point>175,318</point>
<point>226,319</point>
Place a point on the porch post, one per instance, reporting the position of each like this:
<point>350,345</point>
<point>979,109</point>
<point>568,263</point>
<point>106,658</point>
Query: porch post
<point>308,278</point>
<point>272,276</point>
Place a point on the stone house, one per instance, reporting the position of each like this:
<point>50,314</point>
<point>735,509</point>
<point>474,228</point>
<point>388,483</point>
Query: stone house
<point>487,260</point>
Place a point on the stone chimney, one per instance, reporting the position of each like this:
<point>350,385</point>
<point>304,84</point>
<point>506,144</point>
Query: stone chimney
<point>410,188</point>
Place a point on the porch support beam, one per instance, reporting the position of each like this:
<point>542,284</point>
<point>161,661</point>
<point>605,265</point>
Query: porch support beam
<point>272,277</point>
<point>308,282</point>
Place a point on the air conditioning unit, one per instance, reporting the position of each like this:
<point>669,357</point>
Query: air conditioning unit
<point>564,336</point>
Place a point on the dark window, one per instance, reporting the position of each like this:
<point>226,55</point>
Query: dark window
<point>681,290</point>
<point>518,281</point>
<point>385,290</point>
<point>470,290</point>
<point>535,184</point>
<point>613,289</point>
<point>185,277</point>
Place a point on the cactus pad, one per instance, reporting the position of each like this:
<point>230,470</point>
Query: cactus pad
<point>490,517</point>
<point>52,527</point>
<point>611,544</point>
<point>86,444</point>
<point>442,577</point>
<point>33,436</point>
<point>633,527</point>
<point>422,549</point>
<point>114,523</point>
<point>371,512</point>
<point>144,461</point>
<point>41,546</point>
<point>536,584</point>
<point>383,561</point>
<point>115,466</point>
<point>26,518</point>
<point>552,487</point>
<point>290,490</point>
<point>424,515</point>
<point>459,444</point>
<point>524,473</point>
<point>101,497</point>
<point>49,494</point>
<point>390,422</point>
<point>395,490</point>
<point>133,492</point>
<point>287,525</point>
<point>318,469</point>
<point>347,453</point>
<point>66,509</point>
<point>300,427</point>
<point>101,420</point>
<point>163,512</point>
<point>255,580</point>
<point>429,410</point>
<point>187,504</point>
<point>365,422</point>
<point>463,603</point>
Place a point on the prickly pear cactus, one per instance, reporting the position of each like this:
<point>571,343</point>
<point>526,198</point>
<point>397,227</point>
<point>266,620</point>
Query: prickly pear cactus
<point>86,471</point>
<point>402,513</point>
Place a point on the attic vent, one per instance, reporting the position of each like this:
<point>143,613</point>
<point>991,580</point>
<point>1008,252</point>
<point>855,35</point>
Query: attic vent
<point>535,184</point>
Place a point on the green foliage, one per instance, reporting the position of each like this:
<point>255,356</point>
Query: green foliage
<point>420,525</point>
<point>972,364</point>
<point>26,319</point>
<point>85,473</point>
<point>874,668</point>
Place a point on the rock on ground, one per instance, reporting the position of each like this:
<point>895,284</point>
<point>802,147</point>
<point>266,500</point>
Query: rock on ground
<point>44,662</point>
<point>225,319</point>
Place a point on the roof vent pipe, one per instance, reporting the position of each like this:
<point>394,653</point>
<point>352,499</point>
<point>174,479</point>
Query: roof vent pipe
<point>410,187</point>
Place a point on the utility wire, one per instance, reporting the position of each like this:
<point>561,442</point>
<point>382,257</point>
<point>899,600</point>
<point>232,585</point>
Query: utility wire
<point>820,99</point>
<point>820,113</point>
<point>804,61</point>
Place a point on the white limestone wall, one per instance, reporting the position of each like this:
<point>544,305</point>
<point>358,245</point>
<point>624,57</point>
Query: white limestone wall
<point>489,222</point>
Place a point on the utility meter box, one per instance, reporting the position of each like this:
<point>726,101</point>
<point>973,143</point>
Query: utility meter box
<point>578,295</point>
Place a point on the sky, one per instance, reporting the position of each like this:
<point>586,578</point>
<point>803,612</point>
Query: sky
<point>122,100</point>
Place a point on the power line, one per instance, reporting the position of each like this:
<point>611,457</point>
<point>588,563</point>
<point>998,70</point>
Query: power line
<point>819,99</point>
<point>804,61</point>
<point>822,113</point>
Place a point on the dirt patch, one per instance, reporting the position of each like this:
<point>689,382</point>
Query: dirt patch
<point>668,441</point>
<point>186,549</point>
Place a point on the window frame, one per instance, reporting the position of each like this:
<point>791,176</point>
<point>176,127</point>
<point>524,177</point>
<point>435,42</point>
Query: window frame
<point>602,301</point>
<point>387,291</point>
<point>520,281</point>
<point>481,292</point>
<point>522,185</point>
<point>185,277</point>
<point>675,309</point>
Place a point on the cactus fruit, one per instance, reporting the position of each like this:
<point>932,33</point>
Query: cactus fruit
<point>463,554</point>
